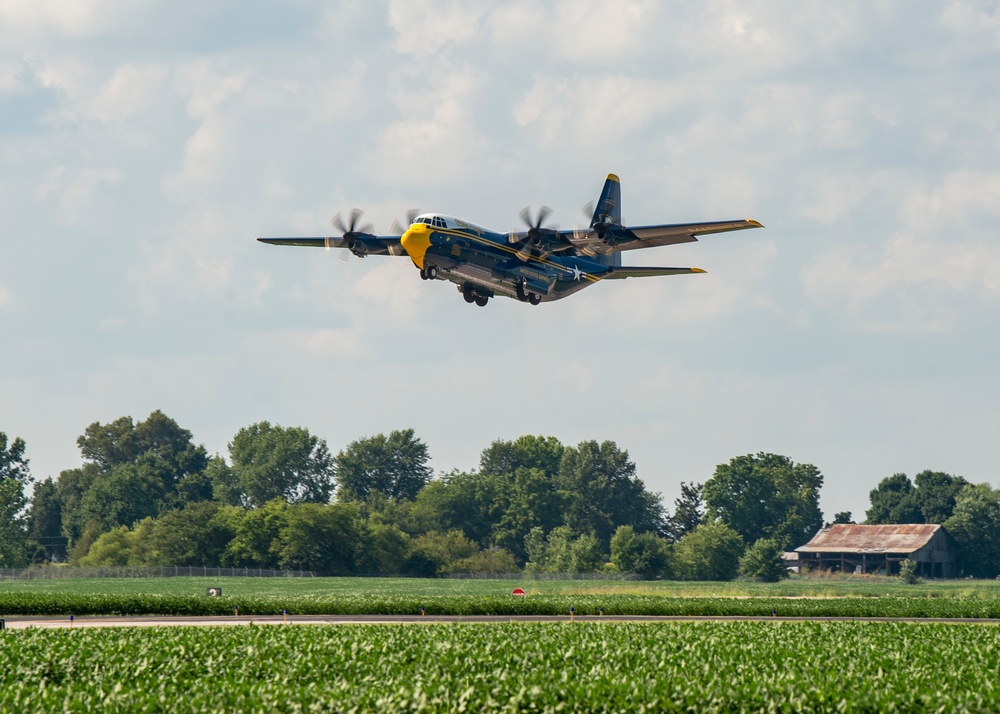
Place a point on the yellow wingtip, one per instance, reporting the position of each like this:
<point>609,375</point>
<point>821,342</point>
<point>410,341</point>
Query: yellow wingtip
<point>614,177</point>
<point>755,224</point>
<point>698,270</point>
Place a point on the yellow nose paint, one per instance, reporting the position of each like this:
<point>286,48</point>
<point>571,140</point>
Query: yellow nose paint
<point>416,241</point>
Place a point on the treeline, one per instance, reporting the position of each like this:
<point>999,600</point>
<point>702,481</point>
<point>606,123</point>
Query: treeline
<point>146,494</point>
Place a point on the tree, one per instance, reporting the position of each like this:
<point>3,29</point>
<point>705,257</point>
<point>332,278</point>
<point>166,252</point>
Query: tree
<point>13,465</point>
<point>601,492</point>
<point>892,501</point>
<point>543,453</point>
<point>929,498</point>
<point>531,501</point>
<point>321,537</point>
<point>689,511</point>
<point>766,496</point>
<point>640,553</point>
<point>14,476</point>
<point>491,560</point>
<point>445,550</point>
<point>254,532</point>
<point>764,561</point>
<point>45,520</point>
<point>843,517</point>
<point>974,526</point>
<point>710,552</point>
<point>272,462</point>
<point>395,465</point>
<point>192,535</point>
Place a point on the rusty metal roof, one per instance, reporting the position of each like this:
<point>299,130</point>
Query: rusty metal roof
<point>852,538</point>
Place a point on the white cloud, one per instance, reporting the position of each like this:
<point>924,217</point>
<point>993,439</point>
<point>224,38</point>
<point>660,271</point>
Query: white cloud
<point>131,89</point>
<point>436,141</point>
<point>425,27</point>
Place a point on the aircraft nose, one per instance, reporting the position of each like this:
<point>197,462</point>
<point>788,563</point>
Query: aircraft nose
<point>415,241</point>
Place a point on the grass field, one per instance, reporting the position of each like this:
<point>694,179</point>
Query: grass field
<point>713,667</point>
<point>845,586</point>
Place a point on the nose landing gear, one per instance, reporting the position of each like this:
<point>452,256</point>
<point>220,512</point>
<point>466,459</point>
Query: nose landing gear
<point>429,273</point>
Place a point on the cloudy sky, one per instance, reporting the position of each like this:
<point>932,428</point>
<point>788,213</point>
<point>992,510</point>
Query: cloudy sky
<point>144,145</point>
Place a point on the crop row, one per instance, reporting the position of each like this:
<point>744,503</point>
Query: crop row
<point>720,667</point>
<point>23,603</point>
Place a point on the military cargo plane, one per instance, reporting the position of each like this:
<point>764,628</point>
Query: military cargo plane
<point>540,264</point>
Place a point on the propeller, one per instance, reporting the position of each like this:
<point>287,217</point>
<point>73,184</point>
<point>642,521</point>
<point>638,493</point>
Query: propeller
<point>397,229</point>
<point>351,232</point>
<point>531,244</point>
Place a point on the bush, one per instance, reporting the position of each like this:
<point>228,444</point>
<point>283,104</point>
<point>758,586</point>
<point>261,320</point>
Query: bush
<point>764,561</point>
<point>908,572</point>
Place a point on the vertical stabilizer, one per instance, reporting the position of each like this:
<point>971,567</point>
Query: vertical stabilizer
<point>609,207</point>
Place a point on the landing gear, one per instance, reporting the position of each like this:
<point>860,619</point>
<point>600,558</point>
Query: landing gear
<point>523,295</point>
<point>429,273</point>
<point>470,294</point>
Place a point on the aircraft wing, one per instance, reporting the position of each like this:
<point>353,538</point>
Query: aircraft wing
<point>670,234</point>
<point>620,273</point>
<point>376,245</point>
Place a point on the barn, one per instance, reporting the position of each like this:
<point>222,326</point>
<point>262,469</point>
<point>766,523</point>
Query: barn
<point>852,548</point>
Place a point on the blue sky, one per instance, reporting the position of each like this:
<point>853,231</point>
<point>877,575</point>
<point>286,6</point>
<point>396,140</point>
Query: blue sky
<point>144,145</point>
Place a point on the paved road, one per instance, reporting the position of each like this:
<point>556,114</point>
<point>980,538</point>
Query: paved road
<point>21,623</point>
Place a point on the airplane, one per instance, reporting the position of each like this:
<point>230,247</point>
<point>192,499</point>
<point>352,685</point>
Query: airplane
<point>540,264</point>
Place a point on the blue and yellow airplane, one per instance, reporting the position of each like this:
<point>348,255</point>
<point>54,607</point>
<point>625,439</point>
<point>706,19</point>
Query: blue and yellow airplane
<point>535,265</point>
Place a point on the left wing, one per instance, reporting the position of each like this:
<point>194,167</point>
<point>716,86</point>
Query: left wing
<point>372,245</point>
<point>620,273</point>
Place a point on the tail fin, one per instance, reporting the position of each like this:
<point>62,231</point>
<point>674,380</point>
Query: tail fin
<point>609,207</point>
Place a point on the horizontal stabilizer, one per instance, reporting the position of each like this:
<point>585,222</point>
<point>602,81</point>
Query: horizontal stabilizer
<point>308,242</point>
<point>644,272</point>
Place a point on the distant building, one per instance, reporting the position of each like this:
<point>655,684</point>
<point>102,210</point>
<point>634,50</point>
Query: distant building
<point>851,548</point>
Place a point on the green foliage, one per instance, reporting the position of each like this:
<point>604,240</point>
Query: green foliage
<point>930,498</point>
<point>710,552</point>
<point>45,520</point>
<point>689,511</point>
<point>764,561</point>
<point>491,560</point>
<point>975,529</point>
<point>320,537</point>
<point>843,517</point>
<point>445,550</point>
<point>13,464</point>
<point>767,496</point>
<point>908,572</point>
<point>602,492</point>
<point>393,465</point>
<point>275,462</point>
<point>640,553</point>
<point>14,475</point>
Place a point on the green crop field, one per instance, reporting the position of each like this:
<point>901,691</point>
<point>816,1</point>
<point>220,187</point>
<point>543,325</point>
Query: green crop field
<point>846,586</point>
<point>399,596</point>
<point>714,667</point>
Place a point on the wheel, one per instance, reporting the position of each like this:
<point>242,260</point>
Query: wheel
<point>519,290</point>
<point>432,272</point>
<point>468,293</point>
<point>423,274</point>
<point>534,299</point>
<point>481,300</point>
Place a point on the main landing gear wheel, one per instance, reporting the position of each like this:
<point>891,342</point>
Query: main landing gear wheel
<point>468,293</point>
<point>481,300</point>
<point>519,291</point>
<point>534,299</point>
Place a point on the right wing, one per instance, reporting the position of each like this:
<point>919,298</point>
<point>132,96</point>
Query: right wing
<point>375,245</point>
<point>650,236</point>
<point>635,237</point>
<point>620,273</point>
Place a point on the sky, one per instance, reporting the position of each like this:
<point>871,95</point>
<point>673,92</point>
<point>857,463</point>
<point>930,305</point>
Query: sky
<point>144,146</point>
